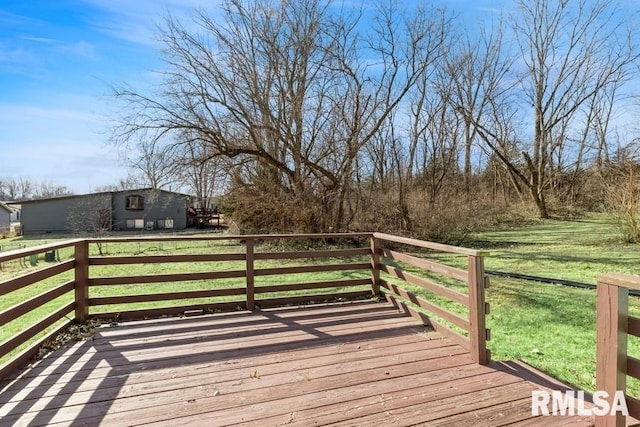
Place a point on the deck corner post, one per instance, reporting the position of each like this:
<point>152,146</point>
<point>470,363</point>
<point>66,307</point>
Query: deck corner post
<point>251,305</point>
<point>477,322</point>
<point>611,346</point>
<point>81,286</point>
<point>375,261</point>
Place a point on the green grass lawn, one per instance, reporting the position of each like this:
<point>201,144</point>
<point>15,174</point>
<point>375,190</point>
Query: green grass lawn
<point>549,326</point>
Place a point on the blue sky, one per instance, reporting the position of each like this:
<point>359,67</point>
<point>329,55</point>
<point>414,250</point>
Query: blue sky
<point>57,62</point>
<point>58,59</point>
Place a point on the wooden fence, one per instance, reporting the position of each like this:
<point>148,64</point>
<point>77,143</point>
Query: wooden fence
<point>373,274</point>
<point>613,326</point>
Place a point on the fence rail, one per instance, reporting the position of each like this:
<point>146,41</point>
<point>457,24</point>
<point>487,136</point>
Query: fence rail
<point>613,326</point>
<point>358,269</point>
<point>473,323</point>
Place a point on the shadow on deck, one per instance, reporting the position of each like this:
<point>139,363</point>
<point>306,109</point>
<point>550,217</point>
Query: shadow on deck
<point>360,363</point>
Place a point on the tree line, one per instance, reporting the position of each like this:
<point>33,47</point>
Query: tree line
<point>314,115</point>
<point>23,188</point>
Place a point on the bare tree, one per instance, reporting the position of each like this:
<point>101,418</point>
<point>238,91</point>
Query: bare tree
<point>572,51</point>
<point>24,188</point>
<point>293,89</point>
<point>479,70</point>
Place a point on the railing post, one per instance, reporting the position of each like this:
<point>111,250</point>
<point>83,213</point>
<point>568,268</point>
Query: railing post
<point>375,260</point>
<point>478,331</point>
<point>250,278</point>
<point>81,256</point>
<point>611,346</point>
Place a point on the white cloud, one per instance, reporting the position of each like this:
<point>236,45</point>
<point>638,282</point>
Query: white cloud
<point>137,21</point>
<point>61,145</point>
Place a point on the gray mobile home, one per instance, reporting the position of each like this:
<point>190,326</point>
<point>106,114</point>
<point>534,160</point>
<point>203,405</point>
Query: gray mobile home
<point>5,219</point>
<point>114,210</point>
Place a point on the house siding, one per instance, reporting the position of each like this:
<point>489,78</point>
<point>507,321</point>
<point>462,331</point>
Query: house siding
<point>5,219</point>
<point>158,206</point>
<point>80,213</point>
<point>61,215</point>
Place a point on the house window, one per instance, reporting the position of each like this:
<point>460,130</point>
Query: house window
<point>135,203</point>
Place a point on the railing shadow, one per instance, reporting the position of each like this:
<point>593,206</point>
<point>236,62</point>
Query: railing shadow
<point>83,381</point>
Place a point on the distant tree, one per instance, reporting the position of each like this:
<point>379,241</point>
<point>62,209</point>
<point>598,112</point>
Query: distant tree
<point>24,188</point>
<point>130,182</point>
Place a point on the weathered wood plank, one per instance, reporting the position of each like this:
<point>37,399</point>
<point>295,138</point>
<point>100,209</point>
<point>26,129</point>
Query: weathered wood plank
<point>271,376</point>
<point>430,245</point>
<point>311,269</point>
<point>441,312</point>
<point>432,266</point>
<point>630,281</point>
<point>426,284</point>
<point>27,354</point>
<point>166,311</point>
<point>612,305</point>
<point>439,412</point>
<point>33,330</point>
<point>242,237</point>
<point>162,259</point>
<point>303,299</point>
<point>250,274</point>
<point>478,333</point>
<point>313,285</point>
<point>191,400</point>
<point>34,250</point>
<point>332,351</point>
<point>32,303</point>
<point>165,296</point>
<point>159,278</point>
<point>327,253</point>
<point>355,401</point>
<point>345,364</point>
<point>633,326</point>
<point>225,342</point>
<point>34,277</point>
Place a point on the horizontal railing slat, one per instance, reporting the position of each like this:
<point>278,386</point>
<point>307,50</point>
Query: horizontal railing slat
<point>313,285</point>
<point>426,320</point>
<point>157,259</point>
<point>329,253</point>
<point>630,281</point>
<point>34,250</point>
<point>633,367</point>
<point>633,326</point>
<point>430,245</point>
<point>311,269</point>
<point>317,298</point>
<point>240,237</point>
<point>33,330</point>
<point>438,311</point>
<point>30,352</point>
<point>158,278</point>
<point>167,296</point>
<point>167,311</point>
<point>633,405</point>
<point>20,309</point>
<point>432,266</point>
<point>426,284</point>
<point>35,276</point>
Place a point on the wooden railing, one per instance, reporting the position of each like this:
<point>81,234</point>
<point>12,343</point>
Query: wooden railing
<point>473,277</point>
<point>85,292</point>
<point>613,326</point>
<point>44,323</point>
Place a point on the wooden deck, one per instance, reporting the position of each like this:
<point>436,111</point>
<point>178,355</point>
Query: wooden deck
<point>348,364</point>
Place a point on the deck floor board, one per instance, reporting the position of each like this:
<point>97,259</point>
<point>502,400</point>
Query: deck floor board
<point>360,363</point>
